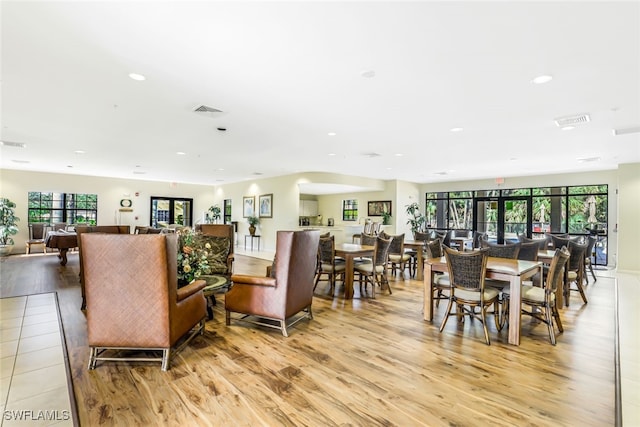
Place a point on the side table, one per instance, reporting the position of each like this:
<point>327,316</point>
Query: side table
<point>251,237</point>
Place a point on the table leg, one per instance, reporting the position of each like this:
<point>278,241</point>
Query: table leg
<point>428,293</point>
<point>63,255</point>
<point>515,308</point>
<point>419,265</point>
<point>348,276</point>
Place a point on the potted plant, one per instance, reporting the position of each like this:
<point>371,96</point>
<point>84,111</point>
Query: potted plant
<point>215,214</point>
<point>386,218</point>
<point>416,219</point>
<point>253,221</point>
<point>8,225</point>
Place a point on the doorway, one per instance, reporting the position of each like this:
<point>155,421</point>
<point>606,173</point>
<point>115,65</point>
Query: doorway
<point>502,218</point>
<point>168,211</point>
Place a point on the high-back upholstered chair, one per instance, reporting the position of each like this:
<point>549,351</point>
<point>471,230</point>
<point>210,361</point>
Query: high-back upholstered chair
<point>103,229</point>
<point>220,238</point>
<point>288,291</point>
<point>133,300</point>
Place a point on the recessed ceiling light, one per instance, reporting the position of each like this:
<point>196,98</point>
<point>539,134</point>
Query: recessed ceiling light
<point>331,154</point>
<point>398,154</point>
<point>79,151</point>
<point>368,74</point>
<point>332,134</point>
<point>545,78</point>
<point>138,77</point>
<point>180,153</point>
<point>568,127</point>
<point>456,129</point>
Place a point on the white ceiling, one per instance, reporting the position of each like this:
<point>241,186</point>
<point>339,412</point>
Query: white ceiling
<point>286,74</point>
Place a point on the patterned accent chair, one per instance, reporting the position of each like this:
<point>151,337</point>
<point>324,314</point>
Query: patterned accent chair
<point>220,238</point>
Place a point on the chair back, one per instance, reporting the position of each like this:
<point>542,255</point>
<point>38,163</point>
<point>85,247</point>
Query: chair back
<point>467,269</point>
<point>37,230</point>
<point>434,249</point>
<point>381,251</point>
<point>591,243</point>
<point>509,250</point>
<point>57,226</point>
<point>367,239</point>
<point>529,251</point>
<point>542,243</point>
<point>220,230</point>
<point>326,250</point>
<point>368,228</point>
<point>375,228</point>
<point>578,253</point>
<point>420,236</point>
<point>295,265</point>
<point>397,243</point>
<point>556,270</point>
<point>117,285</point>
<point>478,239</point>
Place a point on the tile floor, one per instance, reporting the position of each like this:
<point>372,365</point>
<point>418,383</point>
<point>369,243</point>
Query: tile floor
<point>33,373</point>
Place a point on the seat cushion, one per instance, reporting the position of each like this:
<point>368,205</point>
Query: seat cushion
<point>489,293</point>
<point>368,268</point>
<point>399,258</point>
<point>328,268</point>
<point>442,280</point>
<point>534,294</point>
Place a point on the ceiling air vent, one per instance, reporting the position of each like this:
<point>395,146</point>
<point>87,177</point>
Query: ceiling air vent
<point>13,144</point>
<point>572,120</point>
<point>205,109</point>
<point>371,155</point>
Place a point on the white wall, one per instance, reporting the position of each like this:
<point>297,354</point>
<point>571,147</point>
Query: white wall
<point>628,232</point>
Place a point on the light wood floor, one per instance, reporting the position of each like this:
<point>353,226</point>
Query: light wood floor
<point>359,362</point>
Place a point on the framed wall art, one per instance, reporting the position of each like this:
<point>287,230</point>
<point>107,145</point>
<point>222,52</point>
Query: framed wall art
<point>379,207</point>
<point>265,206</point>
<point>248,208</point>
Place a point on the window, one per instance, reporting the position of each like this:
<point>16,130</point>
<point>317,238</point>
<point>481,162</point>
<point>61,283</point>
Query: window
<point>227,212</point>
<point>350,210</point>
<point>69,208</point>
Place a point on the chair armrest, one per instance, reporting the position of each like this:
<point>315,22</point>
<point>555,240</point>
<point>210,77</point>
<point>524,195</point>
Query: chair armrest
<point>241,279</point>
<point>190,289</point>
<point>230,260</point>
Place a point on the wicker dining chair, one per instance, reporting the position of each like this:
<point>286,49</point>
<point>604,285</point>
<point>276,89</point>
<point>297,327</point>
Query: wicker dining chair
<point>441,281</point>
<point>543,299</point>
<point>575,271</point>
<point>328,264</point>
<point>375,272</point>
<point>467,271</point>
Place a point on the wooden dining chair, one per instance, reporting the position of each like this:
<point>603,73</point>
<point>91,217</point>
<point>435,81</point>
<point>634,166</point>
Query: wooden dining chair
<point>37,234</point>
<point>374,272</point>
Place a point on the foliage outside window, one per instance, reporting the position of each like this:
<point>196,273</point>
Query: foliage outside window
<point>350,210</point>
<point>70,208</point>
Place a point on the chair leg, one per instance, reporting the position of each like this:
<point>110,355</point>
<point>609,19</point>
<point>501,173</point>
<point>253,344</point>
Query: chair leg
<point>446,314</point>
<point>227,317</point>
<point>496,315</point>
<point>595,279</point>
<point>549,321</point>
<point>166,353</point>
<point>556,315</point>
<point>483,312</point>
<point>283,328</point>
<point>92,357</point>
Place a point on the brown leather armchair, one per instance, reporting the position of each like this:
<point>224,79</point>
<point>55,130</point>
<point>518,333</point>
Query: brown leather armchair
<point>289,290</point>
<point>80,229</point>
<point>133,302</point>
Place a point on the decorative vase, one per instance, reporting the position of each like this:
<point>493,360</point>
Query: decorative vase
<point>252,230</point>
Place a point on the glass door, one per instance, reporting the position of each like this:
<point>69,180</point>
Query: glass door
<point>167,211</point>
<point>513,219</point>
<point>486,217</point>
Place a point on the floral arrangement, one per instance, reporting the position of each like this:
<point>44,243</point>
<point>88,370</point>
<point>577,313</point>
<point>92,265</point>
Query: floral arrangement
<point>192,257</point>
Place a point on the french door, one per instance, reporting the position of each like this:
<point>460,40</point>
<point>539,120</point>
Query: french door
<point>166,211</point>
<point>502,218</point>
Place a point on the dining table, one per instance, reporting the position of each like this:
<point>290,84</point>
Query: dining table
<point>418,246</point>
<point>349,251</point>
<point>63,241</point>
<point>513,271</point>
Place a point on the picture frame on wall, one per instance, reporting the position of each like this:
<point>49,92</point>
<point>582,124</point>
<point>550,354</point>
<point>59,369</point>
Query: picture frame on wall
<point>248,208</point>
<point>378,207</point>
<point>265,206</point>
